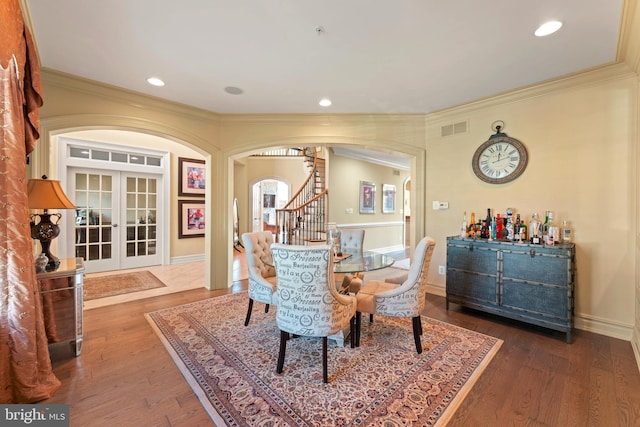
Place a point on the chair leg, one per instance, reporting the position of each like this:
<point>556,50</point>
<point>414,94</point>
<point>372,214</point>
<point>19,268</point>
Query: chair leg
<point>417,331</point>
<point>352,331</point>
<point>371,318</point>
<point>284,336</point>
<point>246,320</point>
<point>325,376</point>
<point>358,327</point>
<point>266,308</point>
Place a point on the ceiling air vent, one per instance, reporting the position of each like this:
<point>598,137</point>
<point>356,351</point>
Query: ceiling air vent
<point>453,129</point>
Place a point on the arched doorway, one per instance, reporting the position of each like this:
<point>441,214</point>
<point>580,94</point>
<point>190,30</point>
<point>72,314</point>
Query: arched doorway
<point>267,195</point>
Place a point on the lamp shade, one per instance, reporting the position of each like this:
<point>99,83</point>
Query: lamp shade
<point>47,194</point>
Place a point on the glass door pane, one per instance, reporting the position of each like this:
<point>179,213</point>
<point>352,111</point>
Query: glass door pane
<point>94,219</point>
<point>141,215</point>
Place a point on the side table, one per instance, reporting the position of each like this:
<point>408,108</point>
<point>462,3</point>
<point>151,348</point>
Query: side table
<point>61,293</point>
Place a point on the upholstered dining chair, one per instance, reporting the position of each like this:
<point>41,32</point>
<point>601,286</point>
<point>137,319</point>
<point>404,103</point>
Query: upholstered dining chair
<point>400,300</point>
<point>351,240</point>
<point>262,277</point>
<point>308,303</point>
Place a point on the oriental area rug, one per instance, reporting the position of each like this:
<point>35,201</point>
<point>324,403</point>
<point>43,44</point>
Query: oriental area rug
<point>118,284</point>
<point>384,382</point>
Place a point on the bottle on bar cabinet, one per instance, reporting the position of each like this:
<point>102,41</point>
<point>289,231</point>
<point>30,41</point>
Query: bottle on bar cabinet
<point>493,228</point>
<point>463,229</point>
<point>498,227</point>
<point>509,226</point>
<point>472,226</point>
<point>534,229</point>
<point>566,232</point>
<point>553,231</point>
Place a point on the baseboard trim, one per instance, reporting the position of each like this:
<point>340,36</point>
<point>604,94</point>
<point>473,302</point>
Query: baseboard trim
<point>186,259</point>
<point>603,327</point>
<point>583,322</point>
<point>635,345</point>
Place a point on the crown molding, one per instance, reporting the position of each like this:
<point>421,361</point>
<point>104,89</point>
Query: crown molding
<point>629,38</point>
<point>124,96</point>
<point>593,76</point>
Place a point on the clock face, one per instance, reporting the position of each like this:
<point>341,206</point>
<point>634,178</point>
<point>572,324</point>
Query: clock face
<point>500,159</point>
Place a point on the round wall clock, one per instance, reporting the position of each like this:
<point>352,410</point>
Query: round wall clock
<point>500,159</point>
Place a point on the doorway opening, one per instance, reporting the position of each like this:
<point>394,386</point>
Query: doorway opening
<point>267,196</point>
<point>121,213</point>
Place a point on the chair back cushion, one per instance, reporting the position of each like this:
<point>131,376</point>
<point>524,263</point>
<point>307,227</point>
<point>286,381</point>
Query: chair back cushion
<point>257,247</point>
<point>308,303</point>
<point>351,240</point>
<point>408,300</point>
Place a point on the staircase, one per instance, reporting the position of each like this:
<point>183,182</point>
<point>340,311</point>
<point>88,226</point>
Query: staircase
<point>303,220</point>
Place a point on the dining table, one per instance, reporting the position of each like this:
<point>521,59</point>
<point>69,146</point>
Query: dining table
<point>361,262</point>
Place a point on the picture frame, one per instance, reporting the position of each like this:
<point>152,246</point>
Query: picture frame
<point>367,197</point>
<point>388,198</point>
<point>269,201</point>
<point>191,177</point>
<point>191,219</point>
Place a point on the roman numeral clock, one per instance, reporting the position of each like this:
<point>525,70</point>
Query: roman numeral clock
<point>501,158</point>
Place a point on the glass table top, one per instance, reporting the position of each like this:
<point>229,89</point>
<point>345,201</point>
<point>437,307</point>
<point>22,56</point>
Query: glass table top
<point>363,261</point>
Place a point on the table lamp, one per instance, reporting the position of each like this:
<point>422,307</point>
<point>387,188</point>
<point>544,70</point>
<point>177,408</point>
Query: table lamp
<point>46,194</point>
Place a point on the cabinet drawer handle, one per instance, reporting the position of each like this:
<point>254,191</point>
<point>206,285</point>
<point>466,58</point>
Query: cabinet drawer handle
<point>532,252</point>
<point>470,247</point>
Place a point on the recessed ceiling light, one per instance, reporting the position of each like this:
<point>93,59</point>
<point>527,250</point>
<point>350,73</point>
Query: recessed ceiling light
<point>325,102</point>
<point>232,90</point>
<point>155,81</point>
<point>548,28</point>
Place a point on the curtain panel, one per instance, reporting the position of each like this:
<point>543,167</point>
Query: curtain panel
<point>25,368</point>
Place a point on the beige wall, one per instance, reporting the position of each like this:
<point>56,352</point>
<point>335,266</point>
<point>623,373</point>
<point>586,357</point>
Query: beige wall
<point>345,174</point>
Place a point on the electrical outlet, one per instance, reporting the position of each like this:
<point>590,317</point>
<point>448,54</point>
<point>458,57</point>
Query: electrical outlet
<point>441,270</point>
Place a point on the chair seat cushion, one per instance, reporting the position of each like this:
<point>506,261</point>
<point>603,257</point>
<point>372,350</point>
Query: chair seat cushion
<point>366,296</point>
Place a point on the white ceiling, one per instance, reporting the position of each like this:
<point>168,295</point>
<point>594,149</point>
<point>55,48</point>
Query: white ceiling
<point>374,56</point>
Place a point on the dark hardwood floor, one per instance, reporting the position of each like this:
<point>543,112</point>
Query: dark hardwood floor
<point>124,376</point>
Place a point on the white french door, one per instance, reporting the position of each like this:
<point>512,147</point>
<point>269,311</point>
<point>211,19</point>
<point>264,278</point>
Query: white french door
<point>117,218</point>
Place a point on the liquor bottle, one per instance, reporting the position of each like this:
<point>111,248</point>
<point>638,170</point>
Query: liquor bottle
<point>535,229</point>
<point>498,227</point>
<point>472,225</point>
<point>484,229</point>
<point>463,229</point>
<point>509,226</point>
<point>493,228</point>
<point>553,232</point>
<point>523,231</point>
<point>545,227</point>
<point>566,232</point>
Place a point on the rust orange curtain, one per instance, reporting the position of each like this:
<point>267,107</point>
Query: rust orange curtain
<point>25,368</point>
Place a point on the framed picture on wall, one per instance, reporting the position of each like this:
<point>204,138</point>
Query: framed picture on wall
<point>269,201</point>
<point>191,219</point>
<point>191,177</point>
<point>367,197</point>
<point>388,198</point>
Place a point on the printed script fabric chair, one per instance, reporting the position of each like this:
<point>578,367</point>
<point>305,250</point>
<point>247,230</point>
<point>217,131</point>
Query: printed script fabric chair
<point>400,300</point>
<point>351,240</point>
<point>308,303</point>
<point>262,277</point>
